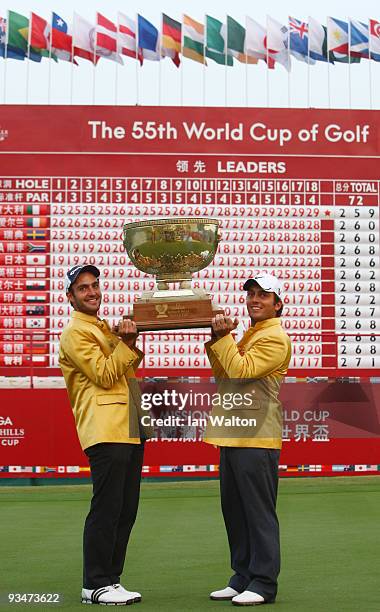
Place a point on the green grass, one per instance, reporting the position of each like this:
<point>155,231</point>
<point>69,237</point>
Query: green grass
<point>178,551</point>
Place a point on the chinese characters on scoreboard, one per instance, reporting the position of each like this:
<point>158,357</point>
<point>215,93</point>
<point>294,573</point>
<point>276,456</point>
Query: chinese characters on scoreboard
<point>320,236</point>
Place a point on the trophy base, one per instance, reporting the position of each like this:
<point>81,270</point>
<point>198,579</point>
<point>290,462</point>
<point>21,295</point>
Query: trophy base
<point>174,314</point>
<point>170,295</point>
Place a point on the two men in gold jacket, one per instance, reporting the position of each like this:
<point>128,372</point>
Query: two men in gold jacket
<point>99,369</point>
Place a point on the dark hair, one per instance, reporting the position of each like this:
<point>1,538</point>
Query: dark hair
<point>276,301</point>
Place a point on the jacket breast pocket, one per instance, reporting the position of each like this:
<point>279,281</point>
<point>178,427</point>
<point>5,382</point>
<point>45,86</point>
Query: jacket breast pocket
<point>111,398</point>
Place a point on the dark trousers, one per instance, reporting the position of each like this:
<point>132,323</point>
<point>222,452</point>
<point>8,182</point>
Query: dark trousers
<point>248,485</point>
<point>116,474</point>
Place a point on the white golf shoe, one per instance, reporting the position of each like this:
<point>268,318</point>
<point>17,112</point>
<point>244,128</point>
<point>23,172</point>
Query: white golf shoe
<point>248,598</point>
<point>224,594</point>
<point>109,596</point>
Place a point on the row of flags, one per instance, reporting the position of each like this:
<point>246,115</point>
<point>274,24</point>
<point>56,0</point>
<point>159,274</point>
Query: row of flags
<point>308,41</point>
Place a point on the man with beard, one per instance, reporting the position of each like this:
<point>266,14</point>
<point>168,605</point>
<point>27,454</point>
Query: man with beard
<point>99,370</point>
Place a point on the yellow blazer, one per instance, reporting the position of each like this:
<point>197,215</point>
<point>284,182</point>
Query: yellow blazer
<point>99,371</point>
<point>253,368</point>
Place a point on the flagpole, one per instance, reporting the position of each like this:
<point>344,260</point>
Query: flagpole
<point>117,63</point>
<point>5,58</point>
<point>137,58</point>
<point>289,96</point>
<point>72,62</point>
<point>328,64</point>
<point>225,61</point>
<point>349,64</point>
<point>28,57</point>
<point>267,52</point>
<point>308,62</point>
<point>49,73</point>
<point>159,59</point>
<point>181,75</point>
<point>246,65</point>
<point>204,57</point>
<point>369,64</point>
<point>93,60</point>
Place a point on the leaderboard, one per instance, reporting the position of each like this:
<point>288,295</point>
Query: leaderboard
<point>311,219</point>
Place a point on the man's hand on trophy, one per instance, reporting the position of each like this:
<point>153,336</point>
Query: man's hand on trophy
<point>222,325</point>
<point>127,331</point>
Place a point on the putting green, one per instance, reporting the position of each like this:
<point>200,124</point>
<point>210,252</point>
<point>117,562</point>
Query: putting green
<point>178,551</point>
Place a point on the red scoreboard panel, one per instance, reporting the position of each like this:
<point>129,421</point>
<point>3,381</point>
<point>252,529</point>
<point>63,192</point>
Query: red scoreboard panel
<point>296,193</point>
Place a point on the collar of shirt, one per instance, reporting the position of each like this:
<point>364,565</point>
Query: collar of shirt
<point>276,321</point>
<point>90,319</point>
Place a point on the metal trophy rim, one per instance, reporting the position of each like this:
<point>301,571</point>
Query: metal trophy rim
<point>172,220</point>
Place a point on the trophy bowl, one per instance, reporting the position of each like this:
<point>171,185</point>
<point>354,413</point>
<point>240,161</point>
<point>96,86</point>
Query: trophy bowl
<point>171,249</point>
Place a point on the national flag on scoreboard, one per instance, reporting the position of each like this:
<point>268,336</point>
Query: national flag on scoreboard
<point>40,359</point>
<point>35,285</point>
<point>315,468</point>
<point>35,310</point>
<point>39,348</point>
<point>36,247</point>
<point>4,468</point>
<point>36,273</point>
<point>27,469</point>
<point>36,260</point>
<point>303,468</point>
<point>36,234</point>
<point>166,468</point>
<point>35,297</point>
<point>37,222</point>
<point>37,337</point>
<point>74,469</point>
<point>35,323</point>
<point>35,209</point>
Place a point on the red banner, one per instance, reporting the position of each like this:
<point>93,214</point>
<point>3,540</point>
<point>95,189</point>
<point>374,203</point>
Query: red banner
<point>38,437</point>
